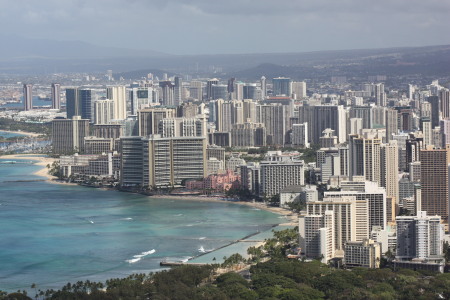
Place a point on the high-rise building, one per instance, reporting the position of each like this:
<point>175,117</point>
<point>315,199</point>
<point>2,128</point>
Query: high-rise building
<point>380,95</point>
<point>209,84</point>
<point>149,119</point>
<point>87,98</point>
<point>391,124</point>
<point>322,117</point>
<point>299,135</point>
<point>251,91</point>
<point>363,112</point>
<point>419,236</point>
<point>131,166</point>
<point>444,127</point>
<point>299,89</point>
<point>345,210</point>
<point>278,172</point>
<point>250,177</point>
<point>103,111</point>
<point>274,118</point>
<point>378,116</point>
<point>444,99</point>
<point>248,135</point>
<point>113,131</point>
<point>226,113</point>
<point>354,126</point>
<point>366,254</point>
<point>178,91</point>
<point>219,91</point>
<point>56,96</point>
<point>80,102</point>
<point>249,110</point>
<point>331,165</point>
<point>68,135</point>
<point>263,87</point>
<point>97,145</point>
<point>435,109</point>
<point>425,127</point>
<point>162,162</point>
<point>118,95</point>
<point>143,97</point>
<point>27,97</point>
<point>364,157</point>
<point>434,181</point>
<point>389,169</point>
<point>167,88</point>
<point>73,104</point>
<point>196,90</point>
<point>317,235</point>
<point>238,93</point>
<point>230,85</point>
<point>367,191</point>
<point>282,86</point>
<point>182,127</point>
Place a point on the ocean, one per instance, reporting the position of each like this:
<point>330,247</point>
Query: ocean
<point>51,234</point>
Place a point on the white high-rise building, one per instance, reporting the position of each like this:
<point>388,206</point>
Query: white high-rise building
<point>299,89</point>
<point>419,236</point>
<point>118,95</point>
<point>278,172</point>
<point>354,126</point>
<point>263,87</point>
<point>345,212</point>
<point>317,235</point>
<point>27,97</point>
<point>103,111</point>
<point>299,135</point>
<point>367,191</point>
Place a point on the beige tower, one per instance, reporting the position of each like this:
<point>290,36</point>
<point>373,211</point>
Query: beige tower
<point>389,168</point>
<point>365,157</point>
<point>118,95</point>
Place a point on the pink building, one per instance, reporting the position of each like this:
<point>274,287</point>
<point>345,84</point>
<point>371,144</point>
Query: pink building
<point>216,182</point>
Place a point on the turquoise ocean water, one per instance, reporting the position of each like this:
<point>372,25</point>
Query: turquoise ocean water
<point>6,134</point>
<point>52,234</point>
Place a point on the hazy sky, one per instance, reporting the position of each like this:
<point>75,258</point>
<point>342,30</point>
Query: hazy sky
<point>232,26</point>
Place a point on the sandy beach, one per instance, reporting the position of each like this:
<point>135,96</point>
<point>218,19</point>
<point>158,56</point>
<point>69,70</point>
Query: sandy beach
<point>41,161</point>
<point>31,134</point>
<point>291,218</point>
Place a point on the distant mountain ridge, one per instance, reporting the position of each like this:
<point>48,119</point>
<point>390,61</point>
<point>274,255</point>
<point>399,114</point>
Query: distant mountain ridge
<point>19,48</point>
<point>39,56</point>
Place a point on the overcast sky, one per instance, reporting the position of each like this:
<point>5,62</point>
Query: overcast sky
<point>232,26</point>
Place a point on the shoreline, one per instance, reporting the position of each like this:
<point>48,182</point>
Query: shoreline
<point>25,133</point>
<point>40,161</point>
<point>291,218</point>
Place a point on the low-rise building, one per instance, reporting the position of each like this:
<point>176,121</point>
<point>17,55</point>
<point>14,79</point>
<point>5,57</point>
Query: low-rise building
<point>365,254</point>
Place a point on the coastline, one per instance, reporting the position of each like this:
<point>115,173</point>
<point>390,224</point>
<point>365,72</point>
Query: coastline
<point>26,133</point>
<point>291,218</point>
<point>238,246</point>
<point>41,161</point>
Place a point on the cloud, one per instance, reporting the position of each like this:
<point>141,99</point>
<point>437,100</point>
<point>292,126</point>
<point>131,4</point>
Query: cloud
<point>233,26</point>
